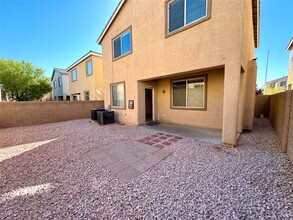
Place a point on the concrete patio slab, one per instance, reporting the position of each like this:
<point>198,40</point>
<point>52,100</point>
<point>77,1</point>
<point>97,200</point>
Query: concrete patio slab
<point>128,159</point>
<point>209,135</point>
<point>117,166</point>
<point>127,174</point>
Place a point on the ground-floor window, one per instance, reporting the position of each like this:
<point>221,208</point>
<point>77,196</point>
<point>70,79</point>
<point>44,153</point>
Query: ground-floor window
<point>86,95</point>
<point>189,93</point>
<point>76,97</point>
<point>118,95</point>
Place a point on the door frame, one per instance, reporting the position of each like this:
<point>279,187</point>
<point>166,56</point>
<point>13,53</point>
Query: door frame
<point>153,102</point>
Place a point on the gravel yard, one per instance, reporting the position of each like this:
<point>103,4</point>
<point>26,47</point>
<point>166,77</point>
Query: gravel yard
<point>53,179</point>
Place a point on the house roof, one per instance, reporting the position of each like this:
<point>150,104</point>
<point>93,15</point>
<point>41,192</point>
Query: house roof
<point>276,80</point>
<point>110,21</point>
<point>90,53</point>
<point>61,71</point>
<point>290,45</point>
<point>255,11</point>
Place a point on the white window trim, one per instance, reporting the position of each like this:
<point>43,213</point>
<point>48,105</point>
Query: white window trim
<point>87,91</point>
<point>120,36</point>
<point>60,82</point>
<point>168,23</point>
<point>72,75</point>
<point>186,107</point>
<point>86,67</point>
<point>111,101</point>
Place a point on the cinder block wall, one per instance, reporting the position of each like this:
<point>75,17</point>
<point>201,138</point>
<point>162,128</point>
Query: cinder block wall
<point>280,111</point>
<point>290,133</point>
<point>14,114</point>
<point>262,106</point>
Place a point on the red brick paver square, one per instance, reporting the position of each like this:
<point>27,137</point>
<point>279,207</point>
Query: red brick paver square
<point>155,135</point>
<point>169,135</point>
<point>156,140</point>
<point>159,146</point>
<point>173,140</point>
<point>149,143</point>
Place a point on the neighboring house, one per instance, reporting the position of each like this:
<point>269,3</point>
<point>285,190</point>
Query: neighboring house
<point>182,62</point>
<point>86,78</point>
<point>47,97</point>
<point>3,96</point>
<point>276,86</point>
<point>290,72</point>
<point>60,85</point>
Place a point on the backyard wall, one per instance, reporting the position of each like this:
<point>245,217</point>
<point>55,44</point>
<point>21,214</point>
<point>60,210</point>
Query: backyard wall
<point>262,106</point>
<point>280,110</point>
<point>14,114</point>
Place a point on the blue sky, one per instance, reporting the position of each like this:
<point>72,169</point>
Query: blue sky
<point>55,33</point>
<point>52,33</point>
<point>276,30</point>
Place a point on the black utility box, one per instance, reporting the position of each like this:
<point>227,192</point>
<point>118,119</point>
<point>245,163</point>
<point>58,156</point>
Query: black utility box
<point>94,112</point>
<point>105,117</point>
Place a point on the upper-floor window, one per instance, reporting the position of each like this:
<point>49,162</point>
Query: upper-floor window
<point>292,56</point>
<point>55,84</point>
<point>185,12</point>
<point>89,67</point>
<point>73,75</point>
<point>283,84</point>
<point>122,44</point>
<point>59,81</point>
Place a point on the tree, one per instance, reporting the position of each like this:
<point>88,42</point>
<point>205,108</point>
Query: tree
<point>22,81</point>
<point>273,90</point>
<point>258,91</point>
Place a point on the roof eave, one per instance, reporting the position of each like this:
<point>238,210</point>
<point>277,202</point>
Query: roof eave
<point>53,74</point>
<point>110,21</point>
<point>90,53</point>
<point>290,45</point>
<point>256,23</point>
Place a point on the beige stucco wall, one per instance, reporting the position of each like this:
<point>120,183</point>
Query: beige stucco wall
<point>211,118</point>
<point>290,71</point>
<point>218,42</point>
<point>92,83</point>
<point>249,103</point>
<point>281,117</point>
<point>262,106</point>
<point>280,110</point>
<point>14,114</point>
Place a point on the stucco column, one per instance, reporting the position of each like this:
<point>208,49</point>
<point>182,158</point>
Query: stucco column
<point>250,95</point>
<point>241,101</point>
<point>231,102</point>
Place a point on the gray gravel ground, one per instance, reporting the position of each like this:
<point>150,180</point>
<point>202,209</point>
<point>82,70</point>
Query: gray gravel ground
<point>199,180</point>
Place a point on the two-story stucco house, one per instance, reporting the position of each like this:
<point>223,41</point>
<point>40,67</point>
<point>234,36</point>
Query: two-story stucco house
<point>86,78</point>
<point>290,72</point>
<point>187,62</point>
<point>60,85</point>
<point>277,85</point>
